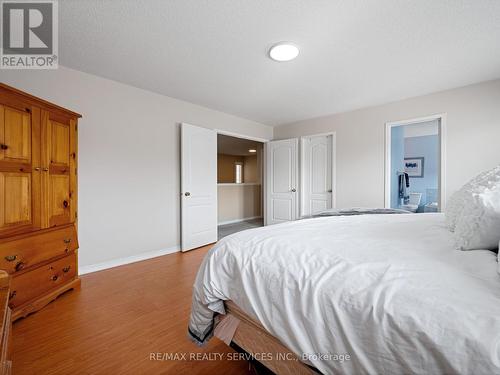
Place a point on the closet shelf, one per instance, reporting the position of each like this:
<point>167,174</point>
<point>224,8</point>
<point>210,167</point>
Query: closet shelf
<point>235,184</point>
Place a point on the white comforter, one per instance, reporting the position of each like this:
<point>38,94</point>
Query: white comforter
<point>388,290</point>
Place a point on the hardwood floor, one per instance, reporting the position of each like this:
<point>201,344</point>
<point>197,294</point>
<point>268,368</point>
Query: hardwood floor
<point>116,320</point>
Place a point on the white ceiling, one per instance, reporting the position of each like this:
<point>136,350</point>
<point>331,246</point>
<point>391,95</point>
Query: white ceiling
<point>353,53</point>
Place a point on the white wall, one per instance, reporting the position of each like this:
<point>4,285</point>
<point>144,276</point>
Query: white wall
<point>128,158</point>
<point>473,139</point>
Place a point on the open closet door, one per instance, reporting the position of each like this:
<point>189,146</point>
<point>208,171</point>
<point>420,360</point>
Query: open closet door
<point>198,186</point>
<point>281,181</point>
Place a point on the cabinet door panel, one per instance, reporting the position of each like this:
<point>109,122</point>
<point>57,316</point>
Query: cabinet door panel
<point>58,166</point>
<point>16,137</point>
<point>19,172</point>
<point>15,191</point>
<point>59,199</point>
<point>59,153</point>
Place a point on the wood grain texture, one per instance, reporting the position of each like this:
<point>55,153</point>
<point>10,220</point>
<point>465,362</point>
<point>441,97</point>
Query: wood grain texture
<point>16,135</point>
<point>5,324</point>
<point>37,191</point>
<point>73,162</point>
<point>116,320</point>
<point>253,338</point>
<point>20,253</point>
<point>44,299</point>
<point>29,286</point>
<point>16,96</point>
<point>18,189</point>
<point>57,156</point>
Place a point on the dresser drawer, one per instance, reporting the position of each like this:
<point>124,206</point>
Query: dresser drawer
<point>29,285</point>
<point>22,252</point>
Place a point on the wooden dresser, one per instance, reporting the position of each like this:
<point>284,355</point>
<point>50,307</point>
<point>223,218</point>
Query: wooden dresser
<point>6,324</point>
<point>38,199</point>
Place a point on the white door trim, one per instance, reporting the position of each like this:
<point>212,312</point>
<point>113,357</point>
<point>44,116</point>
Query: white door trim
<point>442,145</point>
<point>262,163</point>
<point>302,168</point>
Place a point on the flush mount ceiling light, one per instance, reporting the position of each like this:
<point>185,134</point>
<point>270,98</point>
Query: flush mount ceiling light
<point>283,51</point>
<point>252,150</point>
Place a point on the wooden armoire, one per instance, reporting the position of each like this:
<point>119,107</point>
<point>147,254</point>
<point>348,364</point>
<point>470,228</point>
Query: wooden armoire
<point>38,199</point>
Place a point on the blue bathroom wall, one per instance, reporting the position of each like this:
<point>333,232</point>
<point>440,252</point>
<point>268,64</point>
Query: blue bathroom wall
<point>428,147</point>
<point>397,161</point>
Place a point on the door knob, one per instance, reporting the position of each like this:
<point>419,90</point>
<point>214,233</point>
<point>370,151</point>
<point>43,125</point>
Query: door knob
<point>187,193</point>
<point>293,190</point>
<point>330,190</point>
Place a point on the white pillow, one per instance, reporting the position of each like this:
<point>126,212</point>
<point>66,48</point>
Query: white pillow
<point>454,208</point>
<point>455,204</point>
<point>478,224</point>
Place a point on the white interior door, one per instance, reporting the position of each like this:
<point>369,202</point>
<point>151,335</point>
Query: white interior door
<point>281,181</point>
<point>316,172</point>
<point>198,186</point>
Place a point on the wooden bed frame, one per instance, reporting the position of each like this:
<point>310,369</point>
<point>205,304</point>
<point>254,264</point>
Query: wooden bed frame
<point>254,339</point>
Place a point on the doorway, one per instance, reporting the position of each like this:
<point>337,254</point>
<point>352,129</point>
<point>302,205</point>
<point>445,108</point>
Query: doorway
<point>239,184</point>
<point>415,165</point>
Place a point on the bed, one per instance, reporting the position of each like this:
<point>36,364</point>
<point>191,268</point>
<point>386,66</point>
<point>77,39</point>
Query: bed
<point>389,292</point>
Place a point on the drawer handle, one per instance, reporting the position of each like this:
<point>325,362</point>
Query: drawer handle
<point>3,147</point>
<point>65,204</point>
<point>10,258</point>
<point>67,240</point>
<point>55,277</point>
<point>12,294</point>
<point>66,269</point>
<point>19,266</point>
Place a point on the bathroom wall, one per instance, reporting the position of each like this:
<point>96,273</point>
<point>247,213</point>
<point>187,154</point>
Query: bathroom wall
<point>427,147</point>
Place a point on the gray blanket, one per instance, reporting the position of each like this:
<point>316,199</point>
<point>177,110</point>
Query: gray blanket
<point>359,211</point>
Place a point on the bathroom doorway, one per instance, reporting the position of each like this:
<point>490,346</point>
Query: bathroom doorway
<point>414,165</point>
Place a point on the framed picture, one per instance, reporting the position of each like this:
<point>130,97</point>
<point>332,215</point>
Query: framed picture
<point>414,167</point>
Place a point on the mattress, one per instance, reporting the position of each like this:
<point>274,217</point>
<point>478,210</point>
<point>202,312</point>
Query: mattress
<point>388,292</point>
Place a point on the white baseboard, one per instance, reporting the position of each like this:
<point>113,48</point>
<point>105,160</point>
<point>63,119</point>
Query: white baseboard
<point>239,220</point>
<point>127,260</point>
